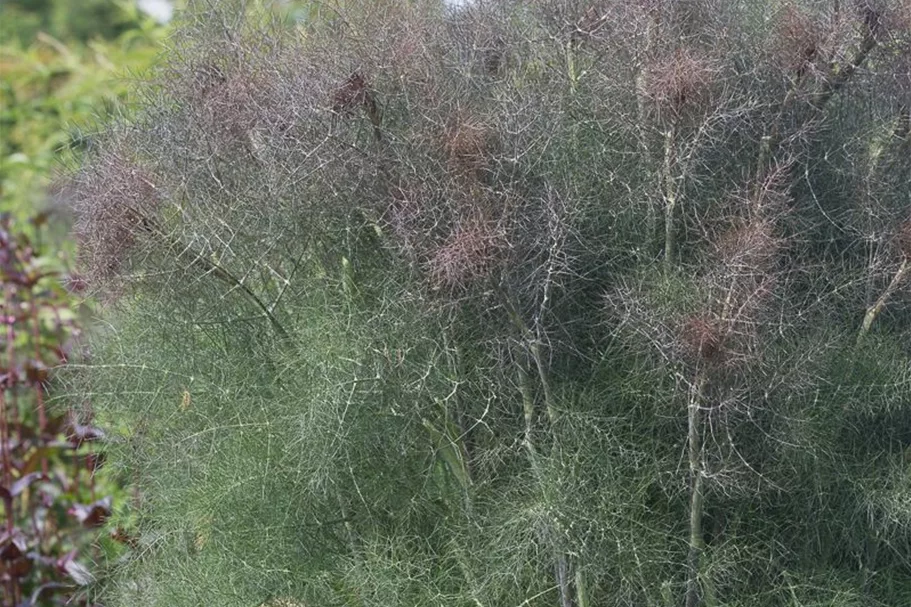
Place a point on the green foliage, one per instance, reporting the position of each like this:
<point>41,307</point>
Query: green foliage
<point>79,21</point>
<point>521,304</point>
<point>52,97</point>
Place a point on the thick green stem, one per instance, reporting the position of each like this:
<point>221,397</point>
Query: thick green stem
<point>878,148</point>
<point>543,377</point>
<point>581,589</point>
<point>562,567</point>
<point>839,76</point>
<point>534,349</point>
<point>564,575</point>
<point>838,79</point>
<point>528,407</point>
<point>697,543</point>
<point>462,443</point>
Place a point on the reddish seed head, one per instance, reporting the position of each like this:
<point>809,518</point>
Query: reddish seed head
<point>679,81</point>
<point>350,94</point>
<point>465,144</point>
<point>797,41</point>
<point>904,238</point>
<point>112,200</point>
<point>468,254</point>
<point>702,338</point>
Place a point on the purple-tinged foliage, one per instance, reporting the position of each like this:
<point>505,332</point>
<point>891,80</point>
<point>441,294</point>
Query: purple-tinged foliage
<point>47,461</point>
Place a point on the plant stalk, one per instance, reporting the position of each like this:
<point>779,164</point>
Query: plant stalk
<point>563,570</point>
<point>697,487</point>
<point>670,199</point>
<point>874,310</point>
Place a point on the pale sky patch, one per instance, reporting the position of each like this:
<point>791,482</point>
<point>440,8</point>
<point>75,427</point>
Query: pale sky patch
<point>160,10</point>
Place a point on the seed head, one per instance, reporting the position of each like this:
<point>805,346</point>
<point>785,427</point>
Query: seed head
<point>797,42</point>
<point>468,254</point>
<point>904,239</point>
<point>113,200</point>
<point>702,338</point>
<point>680,81</point>
<point>466,144</point>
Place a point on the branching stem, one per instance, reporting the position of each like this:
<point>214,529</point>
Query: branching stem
<point>210,267</point>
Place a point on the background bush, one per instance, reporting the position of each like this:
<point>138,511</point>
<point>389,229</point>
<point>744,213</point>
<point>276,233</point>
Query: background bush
<point>48,458</point>
<point>521,303</point>
<point>55,494</point>
<point>82,21</point>
<point>54,92</point>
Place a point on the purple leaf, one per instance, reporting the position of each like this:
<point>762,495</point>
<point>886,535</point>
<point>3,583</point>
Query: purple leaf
<point>12,545</point>
<point>80,574</point>
<point>94,514</point>
<point>23,483</point>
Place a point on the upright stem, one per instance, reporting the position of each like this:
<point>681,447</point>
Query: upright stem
<point>563,569</point>
<point>528,408</point>
<point>39,385</point>
<point>838,79</point>
<point>697,485</point>
<point>571,68</point>
<point>697,544</point>
<point>581,589</point>
<point>534,349</point>
<point>652,32</point>
<point>564,580</point>
<point>874,310</point>
<point>670,197</point>
<point>461,442</point>
<point>5,458</point>
<point>6,476</point>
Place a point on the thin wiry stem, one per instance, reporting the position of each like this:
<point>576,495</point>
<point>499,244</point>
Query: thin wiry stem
<point>210,268</point>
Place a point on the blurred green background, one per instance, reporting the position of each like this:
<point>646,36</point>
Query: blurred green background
<point>65,68</point>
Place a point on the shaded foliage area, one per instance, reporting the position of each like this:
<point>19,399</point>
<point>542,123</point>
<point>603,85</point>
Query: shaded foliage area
<point>524,303</point>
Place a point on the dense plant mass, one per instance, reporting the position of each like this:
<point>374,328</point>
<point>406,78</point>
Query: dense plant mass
<point>512,304</point>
